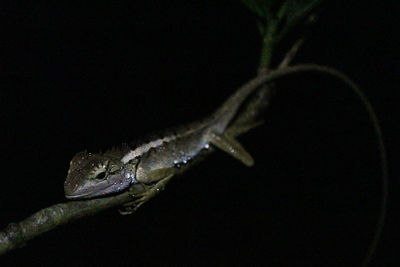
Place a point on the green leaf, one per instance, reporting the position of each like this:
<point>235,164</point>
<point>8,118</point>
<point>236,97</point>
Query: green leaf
<point>281,9</point>
<point>300,8</point>
<point>261,7</point>
<point>296,12</point>
<point>276,19</point>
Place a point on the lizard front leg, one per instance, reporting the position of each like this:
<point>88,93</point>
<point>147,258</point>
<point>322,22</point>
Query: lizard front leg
<point>162,175</point>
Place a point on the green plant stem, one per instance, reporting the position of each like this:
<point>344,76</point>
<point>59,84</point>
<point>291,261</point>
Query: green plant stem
<point>267,48</point>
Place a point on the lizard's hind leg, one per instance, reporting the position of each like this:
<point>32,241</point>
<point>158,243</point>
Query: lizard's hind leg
<point>231,146</point>
<point>247,120</point>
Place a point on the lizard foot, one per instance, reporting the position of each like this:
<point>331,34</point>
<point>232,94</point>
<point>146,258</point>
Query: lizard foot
<point>149,192</point>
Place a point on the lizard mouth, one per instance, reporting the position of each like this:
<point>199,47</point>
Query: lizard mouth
<point>85,194</point>
<point>86,191</point>
<point>78,196</point>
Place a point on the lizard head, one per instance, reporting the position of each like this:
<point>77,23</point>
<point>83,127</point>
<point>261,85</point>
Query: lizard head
<point>92,175</point>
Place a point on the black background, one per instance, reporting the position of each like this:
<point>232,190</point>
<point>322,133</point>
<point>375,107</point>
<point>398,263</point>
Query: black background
<point>80,76</point>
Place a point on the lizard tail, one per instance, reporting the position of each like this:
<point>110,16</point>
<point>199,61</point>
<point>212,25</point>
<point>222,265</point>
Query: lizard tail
<point>229,108</point>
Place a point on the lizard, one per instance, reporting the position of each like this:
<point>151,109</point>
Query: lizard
<point>155,162</point>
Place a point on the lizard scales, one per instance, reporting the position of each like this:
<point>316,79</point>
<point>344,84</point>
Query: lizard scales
<point>93,175</point>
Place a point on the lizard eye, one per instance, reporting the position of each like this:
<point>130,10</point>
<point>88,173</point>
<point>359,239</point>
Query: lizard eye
<point>101,176</point>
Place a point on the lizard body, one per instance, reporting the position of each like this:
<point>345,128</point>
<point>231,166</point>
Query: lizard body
<point>92,175</point>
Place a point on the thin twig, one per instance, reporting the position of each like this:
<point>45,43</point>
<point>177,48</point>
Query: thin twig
<point>292,53</point>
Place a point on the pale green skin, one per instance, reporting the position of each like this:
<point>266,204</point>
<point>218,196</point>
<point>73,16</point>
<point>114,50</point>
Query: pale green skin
<point>94,175</point>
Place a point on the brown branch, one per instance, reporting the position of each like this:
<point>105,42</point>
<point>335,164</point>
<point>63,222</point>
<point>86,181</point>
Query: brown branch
<point>17,234</point>
<point>46,219</point>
